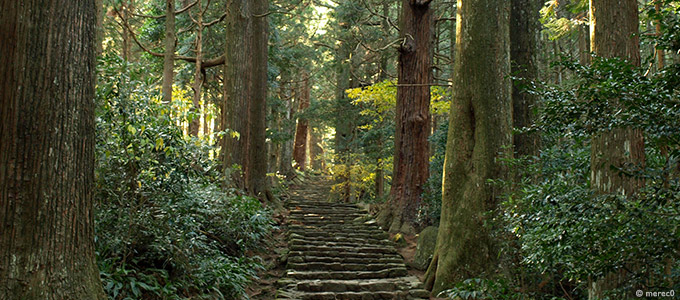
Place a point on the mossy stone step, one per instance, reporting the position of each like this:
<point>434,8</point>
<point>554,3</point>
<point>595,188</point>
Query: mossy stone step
<point>316,266</point>
<point>345,260</point>
<point>386,273</point>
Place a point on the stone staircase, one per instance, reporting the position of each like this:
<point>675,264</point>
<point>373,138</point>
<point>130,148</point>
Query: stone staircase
<point>337,252</point>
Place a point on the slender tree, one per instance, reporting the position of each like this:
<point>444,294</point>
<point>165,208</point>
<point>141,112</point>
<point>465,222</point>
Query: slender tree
<point>47,64</point>
<point>479,131</point>
<point>411,156</point>
<point>198,73</point>
<point>169,57</point>
<point>301,133</point>
<point>288,126</point>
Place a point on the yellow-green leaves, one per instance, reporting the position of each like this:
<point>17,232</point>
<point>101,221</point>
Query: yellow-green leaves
<point>380,98</point>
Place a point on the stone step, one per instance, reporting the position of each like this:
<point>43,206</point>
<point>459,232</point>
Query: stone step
<point>324,209</point>
<point>345,260</point>
<point>305,248</point>
<point>339,254</point>
<point>319,266</point>
<point>336,238</point>
<point>315,216</point>
<point>312,231</point>
<point>387,273</point>
<point>364,243</point>
<point>337,227</point>
<point>358,235</point>
<point>336,251</point>
<point>396,295</point>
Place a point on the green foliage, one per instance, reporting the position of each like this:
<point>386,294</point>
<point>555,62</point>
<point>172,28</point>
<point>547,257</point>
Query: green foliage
<point>553,223</point>
<point>164,228</point>
<point>563,19</point>
<point>377,104</point>
<point>483,289</point>
<point>669,18</point>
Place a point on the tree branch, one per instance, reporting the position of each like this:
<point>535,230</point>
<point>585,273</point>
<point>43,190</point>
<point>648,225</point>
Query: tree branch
<point>177,12</point>
<point>205,63</point>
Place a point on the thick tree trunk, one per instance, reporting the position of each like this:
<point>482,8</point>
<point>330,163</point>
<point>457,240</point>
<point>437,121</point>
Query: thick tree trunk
<point>169,57</point>
<point>411,156</point>
<point>47,65</point>
<point>479,130</point>
<point>301,133</point>
<point>195,123</point>
<point>237,89</point>
<point>524,24</point>
<point>614,33</point>
<point>256,175</point>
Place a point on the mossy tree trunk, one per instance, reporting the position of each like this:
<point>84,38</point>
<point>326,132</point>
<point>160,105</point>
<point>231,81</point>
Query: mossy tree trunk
<point>47,65</point>
<point>479,131</point>
<point>411,156</point>
<point>237,89</point>
<point>256,174</point>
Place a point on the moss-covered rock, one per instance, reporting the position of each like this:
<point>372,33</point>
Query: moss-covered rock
<point>427,240</point>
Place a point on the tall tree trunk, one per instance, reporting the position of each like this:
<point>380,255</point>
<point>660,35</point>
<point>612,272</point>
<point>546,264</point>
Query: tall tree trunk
<point>524,24</point>
<point>479,131</point>
<point>100,28</point>
<point>237,89</point>
<point>287,126</point>
<point>343,108</point>
<point>301,133</point>
<point>169,57</point>
<point>316,150</point>
<point>47,63</point>
<point>614,33</point>
<point>256,175</point>
<point>195,124</point>
<point>411,148</point>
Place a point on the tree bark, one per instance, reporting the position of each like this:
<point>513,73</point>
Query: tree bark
<point>47,65</point>
<point>411,159</point>
<point>195,123</point>
<point>316,150</point>
<point>301,133</point>
<point>524,26</point>
<point>237,89</point>
<point>479,131</point>
<point>256,175</point>
<point>169,57</point>
<point>614,33</point>
<point>288,126</point>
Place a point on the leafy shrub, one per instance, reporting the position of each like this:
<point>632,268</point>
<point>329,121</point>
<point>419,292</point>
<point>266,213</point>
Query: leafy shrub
<point>164,228</point>
<point>558,226</point>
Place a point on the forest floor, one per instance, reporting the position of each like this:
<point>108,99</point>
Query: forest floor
<point>325,250</point>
